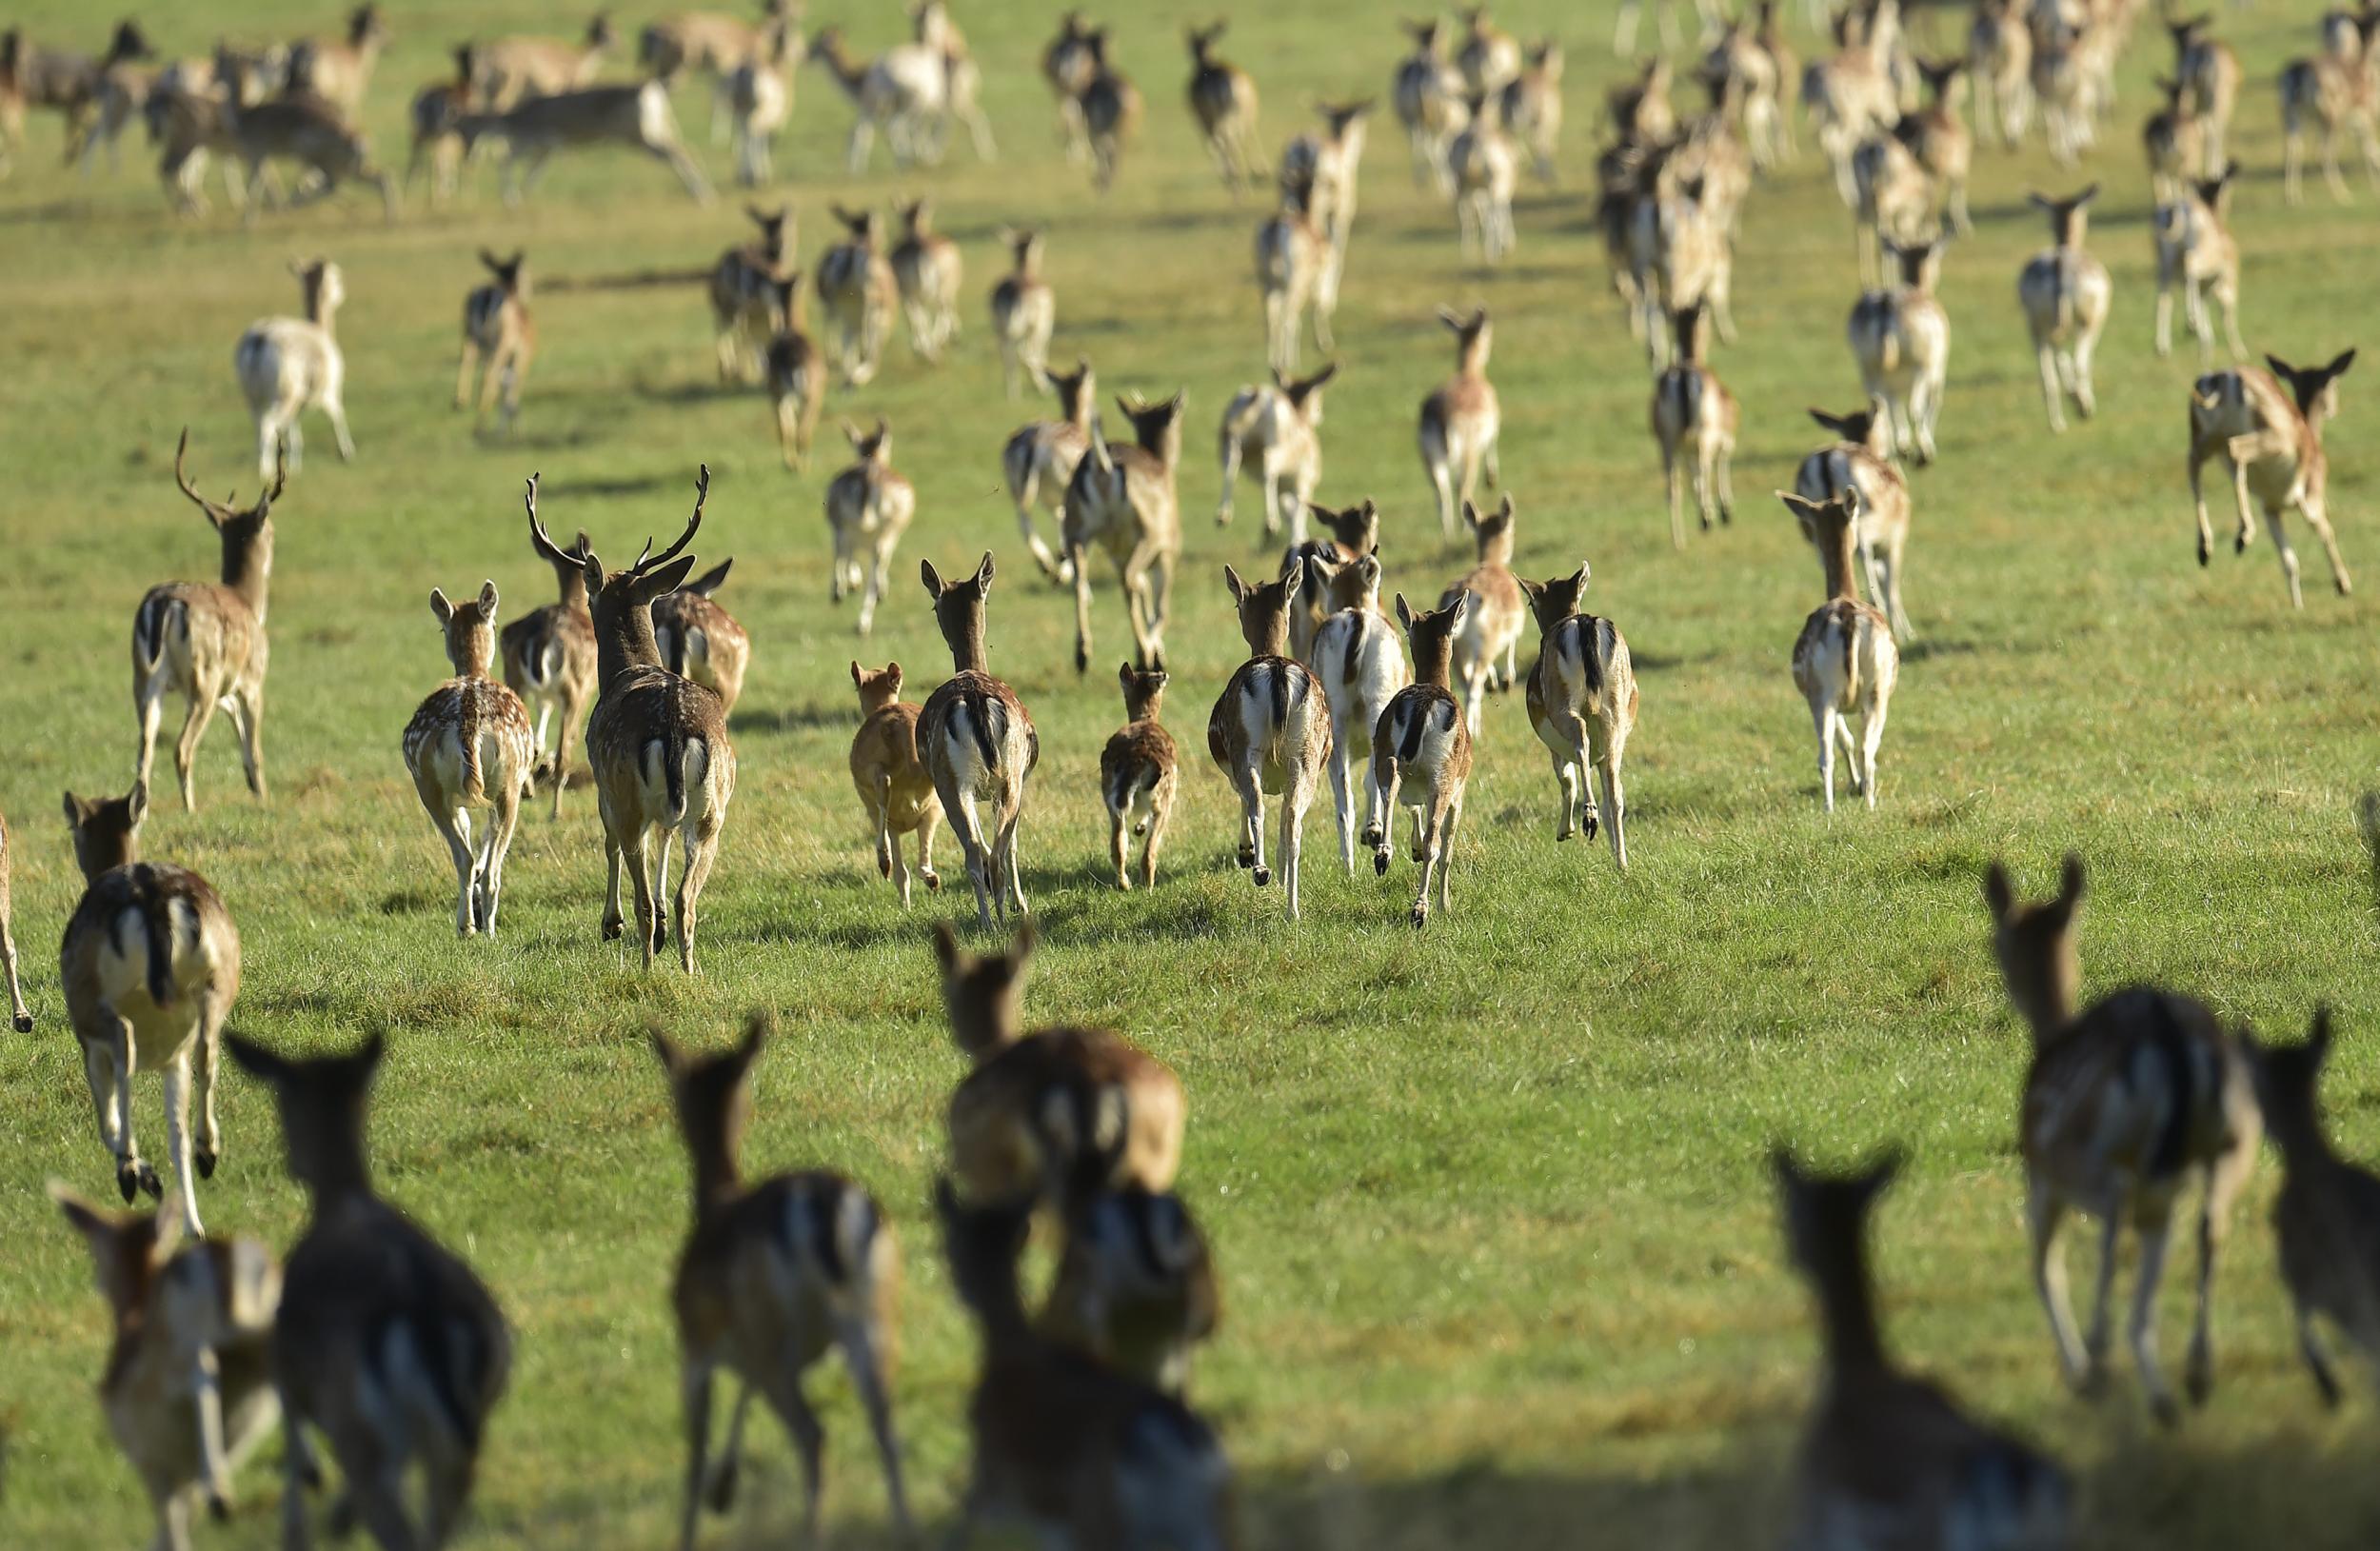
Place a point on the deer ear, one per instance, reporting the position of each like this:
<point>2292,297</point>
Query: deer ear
<point>1880,1174</point>
<point>983,574</point>
<point>1582,575</point>
<point>946,952</point>
<point>254,1059</point>
<point>1999,897</point>
<point>439,606</point>
<point>2338,367</point>
<point>2280,367</point>
<point>1231,580</point>
<point>757,1030</point>
<point>1469,515</point>
<point>2071,881</point>
<point>2040,201</point>
<point>1404,612</point>
<point>855,672</point>
<point>488,598</point>
<point>892,671</point>
<point>932,579</point>
<point>1123,676</point>
<point>1293,575</point>
<point>2087,196</point>
<point>73,811</point>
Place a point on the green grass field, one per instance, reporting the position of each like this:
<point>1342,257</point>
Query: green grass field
<point>1500,1248</point>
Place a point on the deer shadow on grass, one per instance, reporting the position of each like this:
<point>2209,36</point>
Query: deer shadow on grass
<point>760,720</point>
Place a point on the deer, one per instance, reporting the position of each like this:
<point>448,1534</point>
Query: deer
<point>1278,423</point>
<point>1745,79</point>
<point>498,330</point>
<point>1675,237</point>
<point>1110,110</point>
<point>20,1017</point>
<point>1894,197</point>
<point>892,780</point>
<point>1490,629</point>
<point>2197,254</point>
<point>287,366</point>
<point>980,746</point>
<point>1223,100</point>
<point>926,267</point>
<point>1297,270</point>
<point>469,746</point>
<point>1860,457</point>
<point>1326,164</point>
<point>1068,67</point>
<point>2170,140</point>
<point>435,117</point>
<point>701,640</point>
<point>1851,95</point>
<point>2067,63</point>
<point>1138,775</point>
<point>739,295</point>
<point>794,371</point>
<point>2335,90</point>
<point>1270,731</point>
<point>773,1275</point>
<point>657,741</point>
<point>1999,60</point>
<point>1844,660</point>
<point>857,289</point>
<point>1429,96</point>
<point>119,92</point>
<point>513,70</point>
<point>187,1390</point>
<point>758,93</point>
<point>1485,167</point>
<point>2209,69</point>
<point>868,507</point>
<point>1355,531</point>
<point>962,81</point>
<point>1694,415</point>
<point>1529,107</point>
<point>73,83</point>
<point>1489,56</point>
<point>1421,755</point>
<point>338,71</point>
<point>905,94</point>
<point>384,1341</point>
<point>191,123</point>
<point>1901,338</point>
<point>2127,1103</point>
<point>205,642</point>
<point>635,117</point>
<point>2066,293</point>
<point>1460,419</point>
<point>1122,499</point>
<point>1064,1443</point>
<point>550,657</point>
<point>1040,458</point>
<point>1886,1458</point>
<point>1939,139</point>
<point>1582,699</point>
<point>1638,107</point>
<point>713,45</point>
<point>1362,663</point>
<point>1024,311</point>
<point>306,129</point>
<point>2272,443</point>
<point>1134,1285</point>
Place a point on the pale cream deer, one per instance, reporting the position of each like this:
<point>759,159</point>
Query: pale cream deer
<point>868,507</point>
<point>469,746</point>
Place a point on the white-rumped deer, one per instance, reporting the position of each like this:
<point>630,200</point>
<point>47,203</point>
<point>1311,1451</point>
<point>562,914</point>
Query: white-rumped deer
<point>868,507</point>
<point>858,293</point>
<point>1327,163</point>
<point>794,371</point>
<point>1134,1285</point>
<point>512,69</point>
<point>1024,311</point>
<point>926,267</point>
<point>1123,500</point>
<point>1844,660</point>
<point>1276,423</point>
<point>741,302</point>
<point>339,70</point>
<point>634,117</point>
<point>1485,166</point>
<point>287,366</point>
<point>1695,418</point>
<point>978,745</point>
<point>1109,108</point>
<point>2271,440</point>
<point>1461,420</point>
<point>497,330</point>
<point>759,94</point>
<point>1295,268</point>
<point>2065,295</point>
<point>1421,755</point>
<point>1223,100</point>
<point>1860,460</point>
<point>1428,93</point>
<point>1138,775</point>
<point>1901,337</point>
<point>1270,731</point>
<point>2197,254</point>
<point>1489,633</point>
<point>1361,664</point>
<point>2208,70</point>
<point>892,780</point>
<point>469,746</point>
<point>905,94</point>
<point>1582,703</point>
<point>700,640</point>
<point>1038,463</point>
<point>550,657</point>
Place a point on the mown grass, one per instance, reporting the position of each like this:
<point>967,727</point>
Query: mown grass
<point>1501,1264</point>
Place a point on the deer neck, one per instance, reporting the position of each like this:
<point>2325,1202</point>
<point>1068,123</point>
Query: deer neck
<point>573,589</point>
<point>1847,1321</point>
<point>340,1175</point>
<point>1842,551</point>
<point>247,568</point>
<point>1471,359</point>
<point>1266,634</point>
<point>1434,662</point>
<point>717,1178</point>
<point>965,640</point>
<point>624,639</point>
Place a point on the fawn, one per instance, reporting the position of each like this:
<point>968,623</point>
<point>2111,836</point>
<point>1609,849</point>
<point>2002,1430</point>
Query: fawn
<point>1858,460</point>
<point>1137,774</point>
<point>289,364</point>
<point>857,288</point>
<point>1362,663</point>
<point>469,746</point>
<point>1223,100</point>
<point>2272,442</point>
<point>1901,337</point>
<point>2197,254</point>
<point>20,1018</point>
<point>1582,703</point>
<point>1694,415</point>
<point>1122,499</point>
<point>795,372</point>
<point>743,304</point>
<point>892,780</point>
<point>1024,310</point>
<point>498,330</point>
<point>1276,423</point>
<point>1039,460</point>
<point>1295,268</point>
<point>1429,96</point>
<point>926,271</point>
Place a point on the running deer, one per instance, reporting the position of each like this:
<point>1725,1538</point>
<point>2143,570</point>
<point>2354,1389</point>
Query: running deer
<point>1460,419</point>
<point>1851,95</point>
<point>1999,60</point>
<point>868,507</point>
<point>891,779</point>
<point>385,1342</point>
<point>1110,110</point>
<point>1894,199</point>
<point>714,46</point>
<point>1860,460</point>
<point>1582,705</point>
<point>1295,268</point>
<point>758,93</point>
<point>435,118</point>
<point>119,92</point>
<point>1270,731</point>
<point>635,117</point>
<point>1745,79</point>
<point>2066,293</point>
<point>310,132</point>
<point>1327,164</point>
<point>740,282</point>
<point>978,745</point>
<point>962,81</point>
<point>1123,501</point>
<point>2325,1212</point>
<point>1047,1114</point>
<point>190,125</point>
<point>2209,69</point>
<point>514,69</point>
<point>2195,252</point>
<point>1530,105</point>
<point>287,366</point>
<point>656,740</point>
<point>1362,663</point>
<point>1039,462</point>
<point>1138,775</point>
<point>1490,630</point>
<point>904,96</point>
<point>1844,661</point>
<point>1134,1285</point>
<point>1901,338</point>
<point>1421,755</point>
<point>1223,100</point>
<point>549,658</point>
<point>2170,140</point>
<point>857,289</point>
<point>186,1391</point>
<point>2067,62</point>
<point>1485,167</point>
<point>927,268</point>
<point>1638,107</point>
<point>1694,416</point>
<point>1024,310</point>
<point>338,71</point>
<point>2272,442</point>
<point>1067,68</point>
<point>774,1274</point>
<point>20,1018</point>
<point>1355,531</point>
<point>1939,140</point>
<point>1064,1443</point>
<point>1489,56</point>
<point>700,640</point>
<point>794,371</point>
<point>1889,1458</point>
<point>1428,93</point>
<point>469,746</point>
<point>71,83</point>
<point>150,966</point>
<point>2335,90</point>
<point>1676,236</point>
<point>497,329</point>
<point>2126,1105</point>
<point>1276,423</point>
<point>205,642</point>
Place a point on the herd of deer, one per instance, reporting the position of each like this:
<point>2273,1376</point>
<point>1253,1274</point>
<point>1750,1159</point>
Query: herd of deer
<point>386,1346</point>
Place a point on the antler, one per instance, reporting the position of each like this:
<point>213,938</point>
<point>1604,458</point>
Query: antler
<point>701,495</point>
<point>214,512</point>
<point>537,539</point>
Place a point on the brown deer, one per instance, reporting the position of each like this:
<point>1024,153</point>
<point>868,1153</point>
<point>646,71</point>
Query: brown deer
<point>1122,499</point>
<point>205,642</point>
<point>497,329</point>
<point>700,640</point>
<point>19,1017</point>
<point>1024,310</point>
<point>2197,255</point>
<point>1530,105</point>
<point>1490,629</point>
<point>287,366</point>
<point>1326,163</point>
<point>1844,660</point>
<point>1461,420</point>
<point>1694,415</point>
<point>868,507</point>
<point>857,288</point>
<point>795,370</point>
<point>1901,335</point>
<point>1583,701</point>
<point>2272,441</point>
<point>1939,139</point>
<point>550,657</point>
<point>1270,731</point>
<point>1296,267</point>
<point>1429,96</point>
<point>2066,295</point>
<point>2337,89</point>
<point>1138,775</point>
<point>927,269</point>
<point>512,69</point>
<point>714,46</point>
<point>1355,533</point>
<point>1109,108</point>
<point>385,1341</point>
<point>773,1274</point>
<point>1276,423</point>
<point>892,780</point>
<point>632,117</point>
<point>1861,459</point>
<point>339,70</point>
<point>1068,67</point>
<point>1134,1285</point>
<point>1355,653</point>
<point>1422,743</point>
<point>435,117</point>
<point>1039,462</point>
<point>2210,71</point>
<point>469,746</point>
<point>978,744</point>
<point>741,292</point>
<point>1223,100</point>
<point>310,132</point>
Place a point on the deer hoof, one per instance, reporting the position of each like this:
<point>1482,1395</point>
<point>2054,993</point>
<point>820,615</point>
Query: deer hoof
<point>612,927</point>
<point>205,1158</point>
<point>2206,552</point>
<point>1421,917</point>
<point>1380,862</point>
<point>149,1183</point>
<point>218,1508</point>
<point>23,1022</point>
<point>932,880</point>
<point>1263,876</point>
<point>128,1180</point>
<point>1591,825</point>
<point>1247,855</point>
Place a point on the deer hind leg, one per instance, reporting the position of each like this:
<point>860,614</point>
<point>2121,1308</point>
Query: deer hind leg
<point>1118,826</point>
<point>2045,1214</point>
<point>2331,163</point>
<point>1079,562</point>
<point>1341,761</point>
<point>701,851</point>
<point>1670,481</point>
<point>1160,811</point>
<point>202,710</point>
<point>149,695</point>
<point>2289,557</point>
<point>1822,713</point>
<point>863,1358</point>
<point>927,828</point>
<point>1011,874</point>
<point>1871,742</point>
<point>1249,784</point>
<point>2153,1241</point>
<point>503,825</point>
<point>247,719</point>
<point>464,372</point>
<point>2053,398</point>
<point>19,1017</point>
<point>2318,519</point>
<point>967,819</point>
<point>1296,797</point>
<point>177,1085</point>
<point>613,858</point>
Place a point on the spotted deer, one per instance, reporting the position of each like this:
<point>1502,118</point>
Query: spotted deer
<point>701,640</point>
<point>1276,423</point>
<point>657,741</point>
<point>1327,164</point>
<point>2210,70</point>
<point>1485,166</point>
<point>2272,442</point>
<point>1024,310</point>
<point>980,746</point>
<point>1270,731</point>
<point>739,294</point>
<point>631,117</point>
<point>2197,255</point>
<point>1901,337</point>
<point>891,779</point>
<point>1490,629</point>
<point>497,330</point>
<point>1296,270</point>
<point>20,1017</point>
<point>926,268</point>
<point>1421,755</point>
<point>1844,661</point>
<point>1429,96</point>
<point>1039,462</point>
<point>1886,1458</point>
<point>2066,293</point>
<point>857,289</point>
<point>385,1341</point>
<point>1110,110</point>
<point>1123,500</point>
<point>469,746</point>
<point>1860,460</point>
<point>2335,90</point>
<point>550,657</point>
<point>205,642</point>
<point>1361,661</point>
<point>339,70</point>
<point>758,93</point>
<point>794,371</point>
<point>868,507</point>
<point>1134,1285</point>
<point>1999,60</point>
<point>1355,531</point>
<point>186,1391</point>
<point>1138,775</point>
<point>1223,100</point>
<point>287,366</point>
<point>1695,417</point>
<point>1460,419</point>
<point>1583,701</point>
<point>2127,1103</point>
<point>773,1275</point>
<point>511,70</point>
